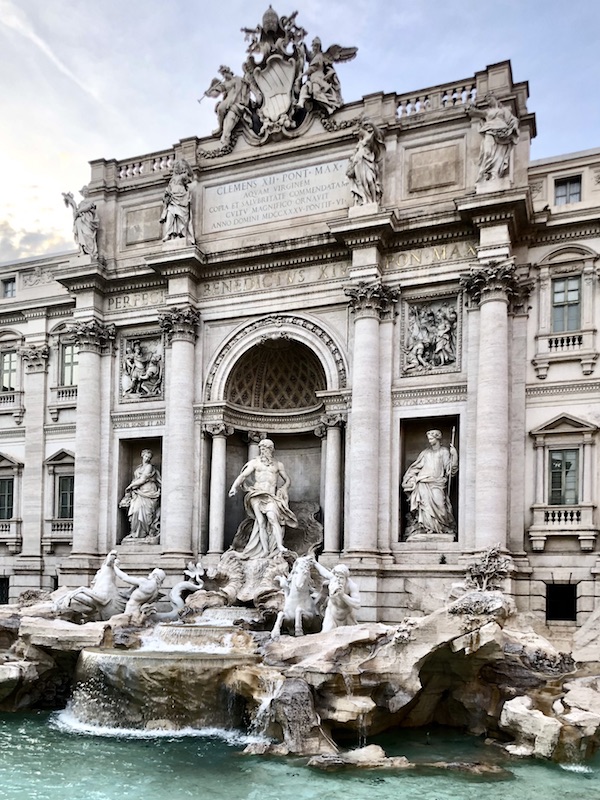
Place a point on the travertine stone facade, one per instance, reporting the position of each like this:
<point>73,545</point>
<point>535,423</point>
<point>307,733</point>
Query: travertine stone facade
<point>461,298</point>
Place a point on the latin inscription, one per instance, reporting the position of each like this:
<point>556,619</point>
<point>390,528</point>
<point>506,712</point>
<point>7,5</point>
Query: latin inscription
<point>153,297</point>
<point>281,195</point>
<point>462,251</point>
<point>273,280</point>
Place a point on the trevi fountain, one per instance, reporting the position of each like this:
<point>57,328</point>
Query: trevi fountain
<point>255,672</point>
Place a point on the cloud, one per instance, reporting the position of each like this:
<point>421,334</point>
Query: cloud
<point>14,18</point>
<point>18,243</point>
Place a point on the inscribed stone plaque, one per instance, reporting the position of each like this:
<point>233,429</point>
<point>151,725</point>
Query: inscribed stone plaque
<point>297,192</point>
<point>142,225</point>
<point>429,169</point>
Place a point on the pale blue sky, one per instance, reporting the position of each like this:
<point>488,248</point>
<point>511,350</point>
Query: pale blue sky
<point>85,79</point>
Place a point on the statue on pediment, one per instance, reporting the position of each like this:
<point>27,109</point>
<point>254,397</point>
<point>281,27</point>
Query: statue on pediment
<point>364,165</point>
<point>322,85</point>
<point>234,103</point>
<point>500,131</point>
<point>85,222</point>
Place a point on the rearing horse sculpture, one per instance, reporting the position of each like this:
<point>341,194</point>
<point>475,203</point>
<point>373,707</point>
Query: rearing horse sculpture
<point>299,605</point>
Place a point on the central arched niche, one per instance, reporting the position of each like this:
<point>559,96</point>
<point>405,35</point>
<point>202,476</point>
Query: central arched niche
<point>278,376</point>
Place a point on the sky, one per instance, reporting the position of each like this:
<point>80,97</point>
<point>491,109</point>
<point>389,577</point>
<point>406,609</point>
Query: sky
<point>87,79</point>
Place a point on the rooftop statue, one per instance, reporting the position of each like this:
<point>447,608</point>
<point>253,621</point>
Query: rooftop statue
<point>234,104</point>
<point>176,214</point>
<point>364,165</point>
<point>282,82</point>
<point>500,131</point>
<point>85,222</point>
<point>322,85</point>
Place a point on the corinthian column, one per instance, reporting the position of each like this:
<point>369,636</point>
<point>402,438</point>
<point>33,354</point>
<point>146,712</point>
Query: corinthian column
<point>180,327</point>
<point>333,483</point>
<point>218,485</point>
<point>369,303</point>
<point>492,287</point>
<point>93,338</point>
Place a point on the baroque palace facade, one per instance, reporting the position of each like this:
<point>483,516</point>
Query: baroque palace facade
<point>342,283</point>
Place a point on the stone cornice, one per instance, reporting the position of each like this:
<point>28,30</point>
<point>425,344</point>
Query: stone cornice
<point>513,207</point>
<point>375,299</point>
<point>430,395</point>
<point>175,260</point>
<point>373,230</point>
<point>571,388</point>
<point>83,274</point>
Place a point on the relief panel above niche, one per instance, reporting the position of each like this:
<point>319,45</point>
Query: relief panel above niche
<point>433,168</point>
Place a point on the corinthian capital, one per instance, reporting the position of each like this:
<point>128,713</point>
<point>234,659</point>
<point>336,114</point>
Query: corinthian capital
<point>35,357</point>
<point>92,335</point>
<point>180,323</point>
<point>371,299</point>
<point>497,280</point>
<point>218,429</point>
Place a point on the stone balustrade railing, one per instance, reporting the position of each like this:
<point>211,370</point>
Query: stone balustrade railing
<point>148,165</point>
<point>573,520</point>
<point>10,534</point>
<point>451,95</point>
<point>56,531</point>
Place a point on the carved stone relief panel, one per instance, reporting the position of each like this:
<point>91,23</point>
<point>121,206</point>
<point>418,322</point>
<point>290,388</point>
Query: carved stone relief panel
<point>431,335</point>
<point>141,368</point>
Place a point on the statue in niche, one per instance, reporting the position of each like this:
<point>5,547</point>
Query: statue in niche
<point>176,214</point>
<point>500,131</point>
<point>142,371</point>
<point>234,104</point>
<point>142,501</point>
<point>85,222</point>
<point>364,166</point>
<point>322,85</point>
<point>426,484</point>
<point>431,335</point>
<point>266,502</point>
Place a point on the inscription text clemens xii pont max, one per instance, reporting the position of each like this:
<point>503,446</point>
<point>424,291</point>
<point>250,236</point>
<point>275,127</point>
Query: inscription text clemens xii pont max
<point>277,196</point>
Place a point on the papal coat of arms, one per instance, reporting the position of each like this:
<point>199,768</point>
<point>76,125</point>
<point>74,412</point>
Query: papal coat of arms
<point>283,82</point>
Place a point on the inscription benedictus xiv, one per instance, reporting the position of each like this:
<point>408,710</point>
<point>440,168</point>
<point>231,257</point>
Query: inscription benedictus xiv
<point>280,195</point>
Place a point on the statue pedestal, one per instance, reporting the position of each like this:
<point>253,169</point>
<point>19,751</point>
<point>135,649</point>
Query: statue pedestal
<point>366,210</point>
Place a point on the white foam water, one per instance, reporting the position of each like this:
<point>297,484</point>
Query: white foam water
<point>66,722</point>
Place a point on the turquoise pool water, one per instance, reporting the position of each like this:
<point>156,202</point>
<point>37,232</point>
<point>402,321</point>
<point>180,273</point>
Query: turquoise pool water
<point>47,757</point>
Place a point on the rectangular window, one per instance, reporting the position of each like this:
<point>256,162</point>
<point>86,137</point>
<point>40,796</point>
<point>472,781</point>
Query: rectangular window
<point>561,602</point>
<point>4,590</point>
<point>64,503</point>
<point>8,371</point>
<point>564,477</point>
<point>567,191</point>
<point>70,361</point>
<point>566,304</point>
<point>6,498</point>
<point>9,287</point>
